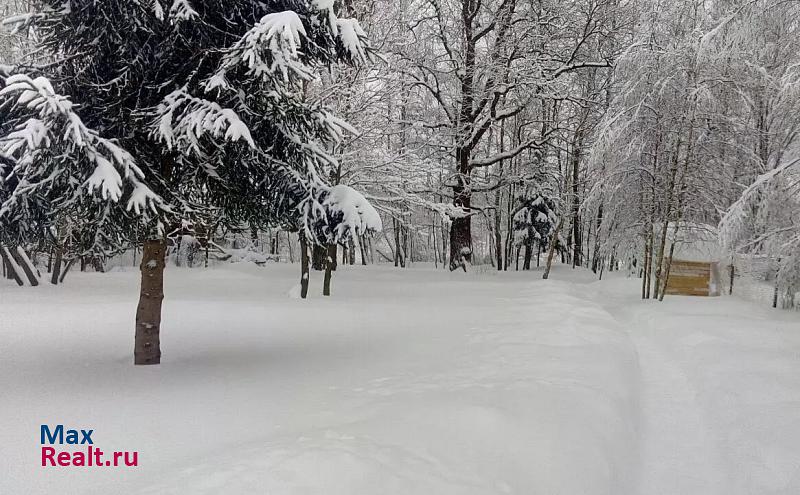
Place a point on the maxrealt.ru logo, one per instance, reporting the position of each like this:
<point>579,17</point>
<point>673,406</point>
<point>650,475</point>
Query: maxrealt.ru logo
<point>86,456</point>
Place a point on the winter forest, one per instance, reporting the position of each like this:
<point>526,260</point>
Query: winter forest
<point>422,246</point>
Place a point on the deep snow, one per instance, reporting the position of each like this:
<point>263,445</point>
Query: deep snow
<point>404,382</point>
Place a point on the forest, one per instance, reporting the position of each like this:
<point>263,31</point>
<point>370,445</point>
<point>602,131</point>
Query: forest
<point>176,160</point>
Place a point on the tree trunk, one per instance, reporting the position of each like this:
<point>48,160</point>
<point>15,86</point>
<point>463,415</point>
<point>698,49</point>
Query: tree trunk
<point>551,249</point>
<point>664,231</point>
<point>597,239</point>
<point>498,223</point>
<point>351,251</point>
<point>399,253</point>
<point>371,250</point>
<point>147,349</point>
<point>330,262</point>
<point>304,271</point>
<point>461,234</point>
<point>56,272</point>
<point>777,279</point>
<point>65,271</point>
<point>12,268</point>
<point>648,254</point>
<point>31,273</point>
<point>362,249</point>
<point>538,253</point>
<point>526,263</point>
<point>460,240</point>
<point>667,269</point>
<point>332,252</point>
<point>732,271</point>
<point>318,257</point>
<point>98,265</point>
<point>177,251</point>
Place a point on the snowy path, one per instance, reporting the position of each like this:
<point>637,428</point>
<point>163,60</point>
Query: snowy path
<point>720,393</point>
<point>679,455</point>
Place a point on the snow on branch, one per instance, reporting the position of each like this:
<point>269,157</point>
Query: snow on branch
<point>734,218</point>
<point>181,10</point>
<point>353,39</point>
<point>183,119</point>
<point>327,6</point>
<point>55,123</point>
<point>336,127</point>
<point>506,155</point>
<point>270,47</point>
<point>350,213</point>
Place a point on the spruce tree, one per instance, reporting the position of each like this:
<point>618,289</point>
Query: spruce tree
<point>176,109</point>
<point>534,221</point>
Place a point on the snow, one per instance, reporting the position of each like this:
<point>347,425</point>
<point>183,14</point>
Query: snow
<point>720,397</point>
<point>328,7</point>
<point>158,10</point>
<point>405,381</point>
<point>185,119</point>
<point>142,197</point>
<point>105,178</point>
<point>351,33</point>
<point>270,47</point>
<point>57,121</point>
<point>181,10</point>
<point>358,215</point>
<point>693,241</point>
<point>322,4</point>
<point>32,134</point>
<point>285,26</point>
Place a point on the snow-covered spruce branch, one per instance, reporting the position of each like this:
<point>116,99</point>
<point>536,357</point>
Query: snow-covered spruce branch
<point>271,46</point>
<point>349,213</point>
<point>55,126</point>
<point>182,120</point>
<point>274,46</point>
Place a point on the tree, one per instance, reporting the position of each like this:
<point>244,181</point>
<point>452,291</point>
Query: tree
<point>534,221</point>
<point>701,110</point>
<point>185,107</point>
<point>487,63</point>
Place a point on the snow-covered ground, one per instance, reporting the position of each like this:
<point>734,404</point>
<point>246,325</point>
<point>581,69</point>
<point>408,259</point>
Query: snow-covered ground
<point>404,382</point>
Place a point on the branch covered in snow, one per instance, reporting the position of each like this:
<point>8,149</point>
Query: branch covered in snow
<point>270,47</point>
<point>184,119</point>
<point>733,219</point>
<point>351,213</point>
<point>52,127</point>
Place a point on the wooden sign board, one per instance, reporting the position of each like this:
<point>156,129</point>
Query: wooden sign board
<point>690,278</point>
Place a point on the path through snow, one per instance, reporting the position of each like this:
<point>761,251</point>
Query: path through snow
<point>720,393</point>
